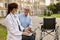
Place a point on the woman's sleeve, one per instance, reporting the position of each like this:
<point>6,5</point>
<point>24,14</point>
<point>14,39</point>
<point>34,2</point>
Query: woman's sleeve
<point>11,28</point>
<point>22,28</point>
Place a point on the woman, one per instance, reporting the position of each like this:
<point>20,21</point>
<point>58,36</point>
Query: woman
<point>15,30</point>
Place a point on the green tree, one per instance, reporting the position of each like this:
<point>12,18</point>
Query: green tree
<point>55,8</point>
<point>58,7</point>
<point>52,8</point>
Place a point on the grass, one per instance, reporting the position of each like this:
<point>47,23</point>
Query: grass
<point>3,32</point>
<point>53,15</point>
<point>2,17</point>
<point>56,15</point>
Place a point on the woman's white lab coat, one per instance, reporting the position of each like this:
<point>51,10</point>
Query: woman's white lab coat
<point>12,28</point>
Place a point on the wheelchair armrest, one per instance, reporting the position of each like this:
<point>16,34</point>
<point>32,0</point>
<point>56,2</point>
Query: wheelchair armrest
<point>56,23</point>
<point>57,26</point>
<point>41,23</point>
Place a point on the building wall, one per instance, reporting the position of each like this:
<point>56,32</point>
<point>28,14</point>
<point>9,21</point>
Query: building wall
<point>37,6</point>
<point>3,13</point>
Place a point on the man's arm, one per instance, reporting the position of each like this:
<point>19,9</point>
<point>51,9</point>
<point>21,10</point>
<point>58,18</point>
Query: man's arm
<point>30,25</point>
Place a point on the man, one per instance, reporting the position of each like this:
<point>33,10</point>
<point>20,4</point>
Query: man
<point>26,22</point>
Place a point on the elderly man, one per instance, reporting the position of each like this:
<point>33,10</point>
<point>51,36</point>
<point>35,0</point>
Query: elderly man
<point>26,22</point>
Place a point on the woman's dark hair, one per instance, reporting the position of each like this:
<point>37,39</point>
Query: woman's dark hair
<point>11,6</point>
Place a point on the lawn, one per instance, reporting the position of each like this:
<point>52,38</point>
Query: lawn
<point>3,32</point>
<point>53,15</point>
<point>3,17</point>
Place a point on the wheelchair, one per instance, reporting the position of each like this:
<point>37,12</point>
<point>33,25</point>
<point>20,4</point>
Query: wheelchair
<point>49,26</point>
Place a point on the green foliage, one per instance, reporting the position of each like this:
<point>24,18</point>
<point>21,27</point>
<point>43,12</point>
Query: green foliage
<point>55,8</point>
<point>58,6</point>
<point>51,7</point>
<point>53,15</point>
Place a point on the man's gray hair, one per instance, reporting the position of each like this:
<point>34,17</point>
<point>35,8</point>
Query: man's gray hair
<point>26,7</point>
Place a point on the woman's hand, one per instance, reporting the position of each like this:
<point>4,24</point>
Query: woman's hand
<point>28,28</point>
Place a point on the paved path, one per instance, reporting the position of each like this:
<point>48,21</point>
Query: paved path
<point>1,21</point>
<point>36,20</point>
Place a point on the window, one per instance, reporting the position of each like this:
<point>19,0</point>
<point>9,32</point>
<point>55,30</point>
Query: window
<point>6,5</point>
